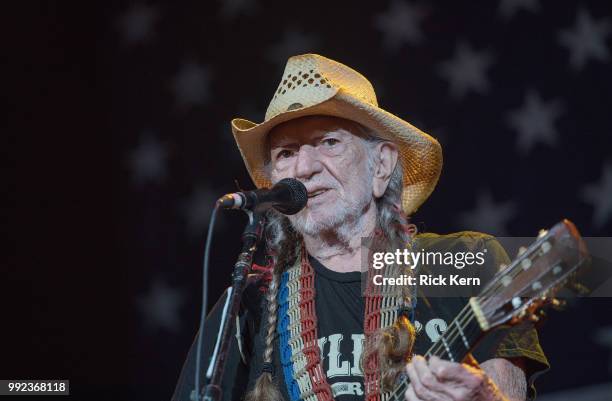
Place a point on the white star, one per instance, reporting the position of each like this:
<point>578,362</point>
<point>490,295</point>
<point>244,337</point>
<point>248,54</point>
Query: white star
<point>160,306</point>
<point>488,217</point>
<point>148,160</point>
<point>293,42</point>
<point>232,8</point>
<point>467,70</point>
<point>507,8</point>
<point>587,40</point>
<point>192,84</point>
<point>535,121</point>
<point>400,24</point>
<point>137,23</point>
<point>600,196</point>
<point>198,208</point>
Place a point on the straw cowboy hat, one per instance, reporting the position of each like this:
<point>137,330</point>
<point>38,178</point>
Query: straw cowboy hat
<point>315,85</point>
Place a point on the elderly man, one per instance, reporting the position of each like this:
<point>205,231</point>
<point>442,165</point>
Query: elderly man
<point>312,334</point>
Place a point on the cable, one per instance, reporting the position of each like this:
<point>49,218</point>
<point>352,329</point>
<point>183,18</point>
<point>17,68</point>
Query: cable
<point>209,236</point>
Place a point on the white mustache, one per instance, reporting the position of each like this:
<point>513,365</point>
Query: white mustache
<point>317,186</point>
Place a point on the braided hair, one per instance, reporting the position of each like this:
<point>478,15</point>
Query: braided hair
<point>265,389</point>
<point>280,240</point>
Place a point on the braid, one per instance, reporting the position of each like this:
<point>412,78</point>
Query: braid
<point>265,388</point>
<point>281,240</point>
<point>272,316</point>
<point>393,345</point>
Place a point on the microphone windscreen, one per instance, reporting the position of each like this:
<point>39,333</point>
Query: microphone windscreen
<point>298,196</point>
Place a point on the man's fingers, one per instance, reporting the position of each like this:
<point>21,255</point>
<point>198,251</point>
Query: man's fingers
<point>424,384</point>
<point>414,379</point>
<point>426,376</point>
<point>449,371</point>
<point>443,370</point>
<point>410,395</point>
<point>462,379</point>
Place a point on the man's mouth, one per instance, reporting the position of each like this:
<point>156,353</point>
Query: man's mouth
<point>316,193</point>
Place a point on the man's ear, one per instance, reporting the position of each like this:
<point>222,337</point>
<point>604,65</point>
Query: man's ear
<point>385,159</point>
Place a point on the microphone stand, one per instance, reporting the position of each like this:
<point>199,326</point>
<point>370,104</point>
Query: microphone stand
<point>250,237</point>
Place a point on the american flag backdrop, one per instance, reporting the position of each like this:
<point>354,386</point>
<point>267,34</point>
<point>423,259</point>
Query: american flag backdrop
<point>518,92</point>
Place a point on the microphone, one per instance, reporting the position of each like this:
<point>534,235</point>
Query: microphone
<point>288,196</point>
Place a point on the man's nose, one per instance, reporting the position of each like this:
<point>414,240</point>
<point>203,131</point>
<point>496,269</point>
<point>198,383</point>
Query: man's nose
<point>307,163</point>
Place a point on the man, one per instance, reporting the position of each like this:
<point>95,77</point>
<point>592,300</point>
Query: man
<point>313,336</point>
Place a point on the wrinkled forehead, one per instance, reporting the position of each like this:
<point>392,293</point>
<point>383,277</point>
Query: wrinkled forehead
<point>306,129</point>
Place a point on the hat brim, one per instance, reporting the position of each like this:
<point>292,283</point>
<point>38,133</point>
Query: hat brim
<point>419,153</point>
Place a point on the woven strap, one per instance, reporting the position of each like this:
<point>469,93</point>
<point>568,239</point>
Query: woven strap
<point>300,354</point>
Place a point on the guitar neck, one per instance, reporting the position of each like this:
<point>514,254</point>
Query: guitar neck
<point>459,339</point>
<point>513,295</point>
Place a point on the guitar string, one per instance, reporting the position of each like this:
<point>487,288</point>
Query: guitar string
<point>484,299</point>
<point>513,272</point>
<point>516,268</point>
<point>464,318</point>
<point>436,348</point>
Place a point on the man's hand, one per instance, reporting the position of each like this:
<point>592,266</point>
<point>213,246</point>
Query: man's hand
<point>439,380</point>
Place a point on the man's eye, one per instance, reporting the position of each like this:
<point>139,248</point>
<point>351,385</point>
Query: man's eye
<point>284,153</point>
<point>330,141</point>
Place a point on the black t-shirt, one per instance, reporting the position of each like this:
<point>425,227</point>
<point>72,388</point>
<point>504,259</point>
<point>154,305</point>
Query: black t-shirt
<point>340,312</point>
